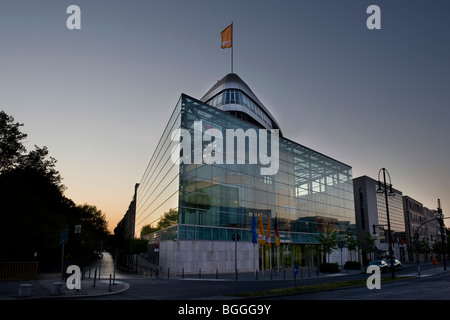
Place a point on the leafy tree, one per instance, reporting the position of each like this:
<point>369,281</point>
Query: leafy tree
<point>147,229</point>
<point>424,247</point>
<point>328,240</point>
<point>169,218</point>
<point>11,146</point>
<point>93,218</point>
<point>33,208</point>
<point>351,243</point>
<point>37,160</point>
<point>370,244</point>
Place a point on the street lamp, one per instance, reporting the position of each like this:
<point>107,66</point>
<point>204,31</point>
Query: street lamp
<point>440,217</point>
<point>383,188</point>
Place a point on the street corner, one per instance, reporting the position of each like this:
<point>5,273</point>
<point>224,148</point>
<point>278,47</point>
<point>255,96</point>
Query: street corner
<point>90,288</point>
<point>43,290</point>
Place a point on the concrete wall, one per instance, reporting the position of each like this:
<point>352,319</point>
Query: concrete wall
<point>207,255</point>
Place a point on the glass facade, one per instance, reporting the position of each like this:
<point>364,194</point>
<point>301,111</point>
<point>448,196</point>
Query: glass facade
<point>158,190</point>
<point>235,96</point>
<point>396,216</point>
<point>309,190</point>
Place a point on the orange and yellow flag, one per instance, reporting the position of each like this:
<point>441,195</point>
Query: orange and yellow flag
<point>227,37</point>
<point>262,236</point>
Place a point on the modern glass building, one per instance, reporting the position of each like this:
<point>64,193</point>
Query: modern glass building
<point>199,170</point>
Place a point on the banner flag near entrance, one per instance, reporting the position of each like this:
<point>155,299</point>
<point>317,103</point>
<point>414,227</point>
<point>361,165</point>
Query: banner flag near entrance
<point>254,235</point>
<point>277,236</point>
<point>269,239</point>
<point>262,237</point>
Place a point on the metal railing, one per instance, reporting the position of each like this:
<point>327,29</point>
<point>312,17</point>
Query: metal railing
<point>18,270</point>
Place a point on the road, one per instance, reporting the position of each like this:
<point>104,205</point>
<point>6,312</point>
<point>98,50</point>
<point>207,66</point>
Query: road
<point>430,286</point>
<point>426,287</point>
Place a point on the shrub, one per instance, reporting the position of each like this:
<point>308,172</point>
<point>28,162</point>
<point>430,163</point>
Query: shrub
<point>352,265</point>
<point>329,267</point>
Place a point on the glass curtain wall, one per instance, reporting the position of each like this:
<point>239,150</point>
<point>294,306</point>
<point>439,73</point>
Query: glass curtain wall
<point>158,190</point>
<point>309,191</point>
<point>214,201</point>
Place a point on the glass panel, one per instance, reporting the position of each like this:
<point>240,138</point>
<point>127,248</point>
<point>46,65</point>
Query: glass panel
<point>309,190</point>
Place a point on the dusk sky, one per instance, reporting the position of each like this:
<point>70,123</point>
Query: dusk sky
<point>100,97</point>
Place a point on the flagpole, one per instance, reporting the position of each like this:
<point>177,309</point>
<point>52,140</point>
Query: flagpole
<point>232,46</point>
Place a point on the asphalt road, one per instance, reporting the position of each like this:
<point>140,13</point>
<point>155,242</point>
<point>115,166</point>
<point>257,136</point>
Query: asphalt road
<point>430,285</point>
<point>426,287</point>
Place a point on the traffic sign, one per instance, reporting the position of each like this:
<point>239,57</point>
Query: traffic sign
<point>295,270</point>
<point>156,248</point>
<point>63,236</point>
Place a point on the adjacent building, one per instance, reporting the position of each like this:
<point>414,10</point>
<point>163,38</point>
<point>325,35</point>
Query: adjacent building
<point>424,224</point>
<point>371,220</point>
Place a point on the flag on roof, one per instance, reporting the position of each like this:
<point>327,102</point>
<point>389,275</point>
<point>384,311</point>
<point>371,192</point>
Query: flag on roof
<point>227,37</point>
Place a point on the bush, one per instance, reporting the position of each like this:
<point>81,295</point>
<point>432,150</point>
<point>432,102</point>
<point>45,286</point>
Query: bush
<point>352,265</point>
<point>329,267</point>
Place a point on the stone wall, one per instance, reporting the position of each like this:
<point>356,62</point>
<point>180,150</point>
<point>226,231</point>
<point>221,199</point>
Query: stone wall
<point>210,256</point>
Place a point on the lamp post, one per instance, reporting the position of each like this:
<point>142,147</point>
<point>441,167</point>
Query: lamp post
<point>440,217</point>
<point>383,188</point>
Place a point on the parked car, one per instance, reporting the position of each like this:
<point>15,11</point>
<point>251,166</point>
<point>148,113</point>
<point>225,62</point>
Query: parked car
<point>397,264</point>
<point>381,264</point>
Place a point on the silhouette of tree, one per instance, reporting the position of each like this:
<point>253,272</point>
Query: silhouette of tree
<point>33,208</point>
<point>11,146</point>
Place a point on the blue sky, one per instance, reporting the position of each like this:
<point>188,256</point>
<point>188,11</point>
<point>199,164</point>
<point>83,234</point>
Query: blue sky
<point>100,97</point>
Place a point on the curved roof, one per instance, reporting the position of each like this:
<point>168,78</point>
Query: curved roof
<point>233,81</point>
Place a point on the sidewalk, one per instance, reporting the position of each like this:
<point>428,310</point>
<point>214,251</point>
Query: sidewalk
<point>266,275</point>
<point>45,287</point>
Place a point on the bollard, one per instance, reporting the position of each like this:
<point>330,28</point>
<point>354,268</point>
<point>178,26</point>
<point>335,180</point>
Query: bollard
<point>55,288</point>
<point>95,276</point>
<point>199,273</point>
<point>217,273</point>
<point>110,278</point>
<point>168,273</point>
<point>24,290</point>
<point>295,280</point>
<point>182,273</point>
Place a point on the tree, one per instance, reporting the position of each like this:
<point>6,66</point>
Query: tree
<point>328,240</point>
<point>33,208</point>
<point>11,146</point>
<point>147,229</point>
<point>93,218</point>
<point>37,160</point>
<point>370,244</point>
<point>351,243</point>
<point>169,218</point>
<point>13,154</point>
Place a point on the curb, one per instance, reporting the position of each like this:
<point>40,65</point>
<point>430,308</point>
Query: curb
<point>87,290</point>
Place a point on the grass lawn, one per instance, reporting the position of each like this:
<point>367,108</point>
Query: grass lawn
<point>312,287</point>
